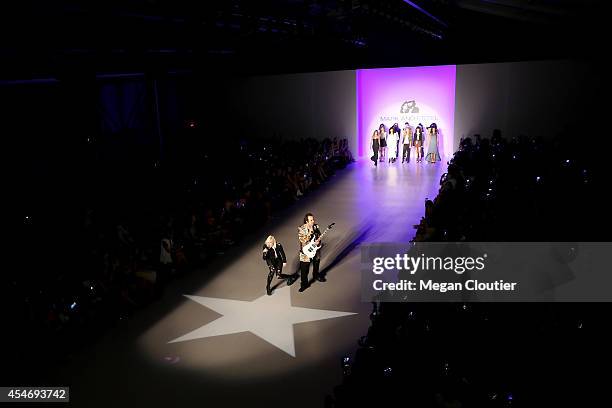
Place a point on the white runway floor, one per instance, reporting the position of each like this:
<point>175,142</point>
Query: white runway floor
<point>228,344</point>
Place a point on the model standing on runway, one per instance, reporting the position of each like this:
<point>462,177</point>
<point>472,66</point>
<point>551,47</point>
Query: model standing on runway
<point>432,155</point>
<point>382,133</point>
<point>418,143</point>
<point>406,142</point>
<point>375,147</point>
<point>392,140</point>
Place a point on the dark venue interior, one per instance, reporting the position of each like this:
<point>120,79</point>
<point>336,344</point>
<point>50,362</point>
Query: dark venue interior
<point>163,158</point>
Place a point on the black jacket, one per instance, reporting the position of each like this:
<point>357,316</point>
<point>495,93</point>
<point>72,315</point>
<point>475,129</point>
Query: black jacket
<point>275,260</point>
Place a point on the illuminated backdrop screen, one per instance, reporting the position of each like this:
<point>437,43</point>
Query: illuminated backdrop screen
<point>414,95</point>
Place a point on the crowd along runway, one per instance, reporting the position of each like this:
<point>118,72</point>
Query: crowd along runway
<point>217,339</point>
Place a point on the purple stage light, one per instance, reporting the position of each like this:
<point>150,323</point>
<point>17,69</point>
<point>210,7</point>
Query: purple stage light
<point>415,94</point>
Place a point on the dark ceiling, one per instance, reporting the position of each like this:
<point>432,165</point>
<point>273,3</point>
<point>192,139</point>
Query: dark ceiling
<point>63,38</point>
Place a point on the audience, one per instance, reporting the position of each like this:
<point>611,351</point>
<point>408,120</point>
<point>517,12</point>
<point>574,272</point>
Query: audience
<point>144,223</point>
<point>482,354</point>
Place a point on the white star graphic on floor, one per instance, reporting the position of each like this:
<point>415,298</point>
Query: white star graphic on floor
<point>268,317</point>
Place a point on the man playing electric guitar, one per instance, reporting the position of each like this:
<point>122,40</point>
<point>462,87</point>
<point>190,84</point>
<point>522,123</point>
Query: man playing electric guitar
<point>305,234</point>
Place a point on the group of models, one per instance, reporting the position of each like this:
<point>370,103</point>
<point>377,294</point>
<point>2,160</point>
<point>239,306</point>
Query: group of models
<point>276,259</point>
<point>388,144</point>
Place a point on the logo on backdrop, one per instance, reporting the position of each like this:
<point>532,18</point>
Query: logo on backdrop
<point>409,107</point>
<point>410,112</point>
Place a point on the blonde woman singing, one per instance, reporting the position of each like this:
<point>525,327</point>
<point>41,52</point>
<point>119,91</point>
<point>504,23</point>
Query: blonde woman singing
<point>275,258</point>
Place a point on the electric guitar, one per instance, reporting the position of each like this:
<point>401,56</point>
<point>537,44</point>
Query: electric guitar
<point>311,248</point>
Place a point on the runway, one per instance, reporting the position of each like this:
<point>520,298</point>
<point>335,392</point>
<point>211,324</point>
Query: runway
<point>217,339</point>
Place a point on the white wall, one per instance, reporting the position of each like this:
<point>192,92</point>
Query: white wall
<point>531,98</point>
<point>318,105</point>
